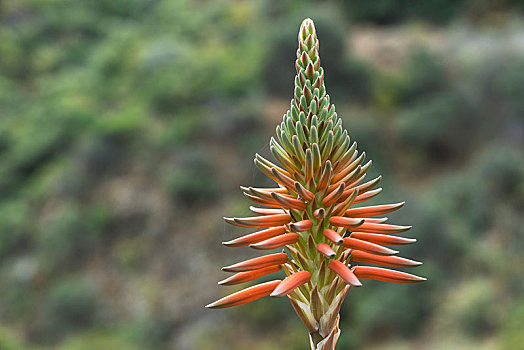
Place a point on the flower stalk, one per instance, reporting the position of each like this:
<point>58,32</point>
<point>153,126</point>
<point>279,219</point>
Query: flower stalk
<point>311,215</point>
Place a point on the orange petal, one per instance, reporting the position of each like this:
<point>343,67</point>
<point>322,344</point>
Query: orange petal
<point>350,242</point>
<point>350,172</point>
<point>257,263</point>
<point>301,226</point>
<point>333,236</point>
<point>261,194</point>
<point>256,237</point>
<point>319,213</point>
<point>290,283</point>
<point>341,221</point>
<point>247,276</point>
<point>260,221</point>
<point>375,220</point>
<point>344,272</point>
<point>368,195</point>
<point>346,159</point>
<point>331,198</point>
<point>349,168</point>
<point>268,196</point>
<point>325,178</point>
<point>382,239</point>
<point>245,296</point>
<point>374,210</point>
<point>393,261</point>
<point>283,179</point>
<point>368,185</point>
<point>266,211</point>
<point>357,179</point>
<point>265,168</point>
<point>265,165</point>
<point>370,227</point>
<point>344,204</point>
<point>348,178</point>
<point>347,193</point>
<point>386,275</point>
<point>326,250</point>
<point>280,190</point>
<point>287,202</point>
<point>276,242</point>
<point>303,192</point>
<point>262,201</point>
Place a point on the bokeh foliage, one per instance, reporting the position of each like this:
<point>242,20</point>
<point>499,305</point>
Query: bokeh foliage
<point>126,127</point>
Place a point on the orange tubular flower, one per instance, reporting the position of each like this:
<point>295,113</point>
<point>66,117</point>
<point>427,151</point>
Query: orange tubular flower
<point>256,237</point>
<point>326,250</point>
<point>243,277</point>
<point>333,236</point>
<point>246,295</point>
<point>312,212</point>
<point>367,246</point>
<point>385,275</point>
<point>257,263</point>
<point>290,283</point>
<point>343,271</point>
<point>277,242</point>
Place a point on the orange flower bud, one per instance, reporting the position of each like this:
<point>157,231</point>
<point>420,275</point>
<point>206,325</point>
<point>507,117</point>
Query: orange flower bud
<point>386,275</point>
<point>245,296</point>
<point>344,272</point>
<point>354,243</point>
<point>247,276</point>
<point>290,283</point>
<point>393,261</point>
<point>276,242</point>
<point>257,263</point>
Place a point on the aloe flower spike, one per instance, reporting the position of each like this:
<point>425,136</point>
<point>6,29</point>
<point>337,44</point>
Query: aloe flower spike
<point>312,213</point>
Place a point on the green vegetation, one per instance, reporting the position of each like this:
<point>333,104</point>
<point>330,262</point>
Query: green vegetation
<point>126,125</point>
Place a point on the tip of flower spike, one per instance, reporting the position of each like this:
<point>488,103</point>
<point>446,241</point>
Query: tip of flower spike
<point>307,21</point>
<point>307,26</point>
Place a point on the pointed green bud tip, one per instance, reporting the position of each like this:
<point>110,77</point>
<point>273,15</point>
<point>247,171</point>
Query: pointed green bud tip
<point>307,28</point>
<point>307,34</point>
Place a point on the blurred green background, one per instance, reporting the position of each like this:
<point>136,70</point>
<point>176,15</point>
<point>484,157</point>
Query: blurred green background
<point>126,128</point>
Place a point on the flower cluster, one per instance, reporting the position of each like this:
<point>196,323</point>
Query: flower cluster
<point>312,213</point>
